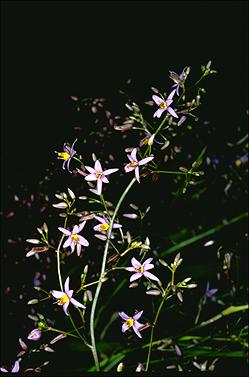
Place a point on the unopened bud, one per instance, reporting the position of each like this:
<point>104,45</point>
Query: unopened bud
<point>33,302</point>
<point>61,205</point>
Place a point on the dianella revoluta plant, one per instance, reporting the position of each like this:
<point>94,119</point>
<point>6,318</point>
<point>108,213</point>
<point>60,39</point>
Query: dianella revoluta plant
<point>76,296</point>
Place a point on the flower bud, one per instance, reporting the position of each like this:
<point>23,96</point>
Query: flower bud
<point>61,205</point>
<point>34,335</point>
<point>33,240</point>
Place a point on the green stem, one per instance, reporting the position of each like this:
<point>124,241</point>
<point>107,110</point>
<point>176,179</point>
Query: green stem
<point>62,332</point>
<point>102,274</point>
<point>58,257</point>
<point>161,124</point>
<point>172,172</point>
<point>79,334</point>
<point>165,295</point>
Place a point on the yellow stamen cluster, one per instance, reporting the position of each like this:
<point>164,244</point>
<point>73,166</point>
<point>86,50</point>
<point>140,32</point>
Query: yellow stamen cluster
<point>63,300</point>
<point>163,105</point>
<point>63,155</point>
<point>129,322</point>
<point>75,238</point>
<point>104,227</point>
<point>98,175</point>
<point>140,269</point>
<point>134,163</point>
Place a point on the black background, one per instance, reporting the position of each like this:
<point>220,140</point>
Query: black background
<point>54,49</point>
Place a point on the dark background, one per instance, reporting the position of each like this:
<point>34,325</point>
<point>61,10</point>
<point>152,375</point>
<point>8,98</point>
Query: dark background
<point>54,49</point>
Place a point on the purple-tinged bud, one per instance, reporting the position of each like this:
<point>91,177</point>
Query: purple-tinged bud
<point>33,240</point>
<point>34,335</point>
<point>22,344</point>
<point>61,205</point>
<point>57,338</point>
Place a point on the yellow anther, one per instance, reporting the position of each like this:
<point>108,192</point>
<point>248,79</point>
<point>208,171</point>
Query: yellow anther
<point>104,227</point>
<point>134,163</point>
<point>163,105</point>
<point>63,300</point>
<point>98,175</point>
<point>129,322</point>
<point>140,269</point>
<point>75,238</point>
<point>63,155</point>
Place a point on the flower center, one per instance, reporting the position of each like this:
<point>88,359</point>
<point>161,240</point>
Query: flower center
<point>129,322</point>
<point>104,227</point>
<point>163,105</point>
<point>98,175</point>
<point>140,269</point>
<point>134,163</point>
<point>63,155</point>
<point>75,238</point>
<point>63,300</point>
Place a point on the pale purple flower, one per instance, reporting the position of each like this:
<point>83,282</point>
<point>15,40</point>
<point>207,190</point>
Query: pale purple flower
<point>67,155</point>
<point>164,105</point>
<point>210,292</point>
<point>64,298</point>
<point>104,225</point>
<point>75,239</point>
<point>141,269</point>
<point>34,335</point>
<point>178,79</point>
<point>134,163</point>
<point>15,368</point>
<point>97,174</point>
<point>132,322</point>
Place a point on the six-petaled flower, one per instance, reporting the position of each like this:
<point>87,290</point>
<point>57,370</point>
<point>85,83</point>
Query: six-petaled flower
<point>74,238</point>
<point>65,297</point>
<point>104,225</point>
<point>178,79</point>
<point>134,163</point>
<point>67,155</point>
<point>132,322</point>
<point>141,269</point>
<point>164,105</point>
<point>97,174</point>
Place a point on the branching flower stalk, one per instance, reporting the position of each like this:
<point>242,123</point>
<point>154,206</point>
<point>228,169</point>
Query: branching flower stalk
<point>102,275</point>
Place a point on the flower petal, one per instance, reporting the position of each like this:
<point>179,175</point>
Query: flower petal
<point>91,170</point>
<point>99,186</point>
<point>104,179</point>
<point>57,294</point>
<point>100,219</point>
<point>124,316</point>
<point>109,171</point>
<point>125,327</point>
<point>138,315</point>
<point>81,226</point>
<point>137,174</point>
<point>67,242</point>
<point>65,231</point>
<point>148,266</point>
<point>70,293</point>
<point>171,95</point>
<point>65,306</point>
<point>157,100</point>
<point>66,285</point>
<point>135,276</point>
<point>98,167</point>
<point>116,226</point>
<point>16,367</point>
<point>158,113</point>
<point>77,303</point>
<point>83,241</point>
<point>129,168</point>
<point>78,249</point>
<point>172,112</point>
<point>150,276</point>
<point>136,331</point>
<point>91,177</point>
<point>135,263</point>
<point>145,160</point>
<point>134,154</point>
<point>131,269</point>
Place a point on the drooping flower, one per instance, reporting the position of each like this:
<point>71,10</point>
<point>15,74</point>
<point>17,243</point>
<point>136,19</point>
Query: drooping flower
<point>132,322</point>
<point>104,225</point>
<point>141,269</point>
<point>15,368</point>
<point>75,239</point>
<point>178,79</point>
<point>164,105</point>
<point>64,298</point>
<point>67,155</point>
<point>97,174</point>
<point>149,139</point>
<point>34,335</point>
<point>134,163</point>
